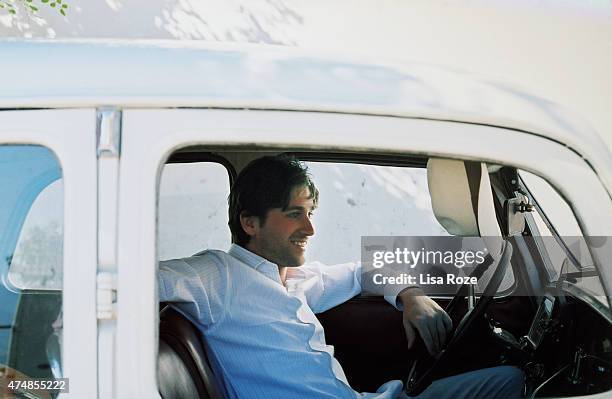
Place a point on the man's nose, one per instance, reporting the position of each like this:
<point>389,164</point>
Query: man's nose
<point>308,227</point>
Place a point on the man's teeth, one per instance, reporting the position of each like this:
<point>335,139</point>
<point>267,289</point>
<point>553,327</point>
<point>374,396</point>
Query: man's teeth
<point>301,244</point>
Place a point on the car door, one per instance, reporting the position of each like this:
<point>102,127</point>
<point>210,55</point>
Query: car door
<point>151,136</point>
<point>48,184</point>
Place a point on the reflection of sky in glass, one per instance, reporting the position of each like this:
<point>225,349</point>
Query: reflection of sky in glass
<point>31,198</point>
<point>48,207</point>
<point>31,215</point>
<point>38,257</point>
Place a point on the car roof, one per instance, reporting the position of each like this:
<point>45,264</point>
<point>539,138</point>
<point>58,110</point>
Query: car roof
<point>152,74</point>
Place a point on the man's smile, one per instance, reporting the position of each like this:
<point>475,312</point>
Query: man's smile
<point>300,243</point>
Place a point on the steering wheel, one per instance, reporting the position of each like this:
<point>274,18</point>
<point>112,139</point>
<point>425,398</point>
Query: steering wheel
<point>423,369</point>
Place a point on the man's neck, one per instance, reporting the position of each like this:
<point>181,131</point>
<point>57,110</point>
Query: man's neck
<point>282,270</point>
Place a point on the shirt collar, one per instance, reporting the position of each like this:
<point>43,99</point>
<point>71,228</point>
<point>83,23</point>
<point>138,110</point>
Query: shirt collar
<point>255,261</point>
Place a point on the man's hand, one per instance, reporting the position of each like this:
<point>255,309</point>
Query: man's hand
<point>424,315</point>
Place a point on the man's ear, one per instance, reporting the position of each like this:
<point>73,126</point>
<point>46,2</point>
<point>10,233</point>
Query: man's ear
<point>249,223</point>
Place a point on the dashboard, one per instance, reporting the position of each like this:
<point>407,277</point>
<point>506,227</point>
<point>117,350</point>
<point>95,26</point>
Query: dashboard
<point>568,349</point>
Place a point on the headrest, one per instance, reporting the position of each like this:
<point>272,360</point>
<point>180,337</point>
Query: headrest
<point>461,198</point>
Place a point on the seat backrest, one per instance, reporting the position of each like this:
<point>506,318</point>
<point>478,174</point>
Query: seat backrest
<point>462,200</point>
<point>183,370</point>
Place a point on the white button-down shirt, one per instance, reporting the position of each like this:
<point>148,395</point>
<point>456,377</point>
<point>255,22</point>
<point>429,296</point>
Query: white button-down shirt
<point>263,338</point>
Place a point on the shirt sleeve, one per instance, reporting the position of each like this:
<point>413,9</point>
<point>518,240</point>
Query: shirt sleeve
<point>389,291</point>
<point>196,286</point>
<point>327,286</point>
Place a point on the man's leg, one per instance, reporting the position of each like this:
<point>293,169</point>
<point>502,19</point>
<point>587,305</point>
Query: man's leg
<point>503,382</point>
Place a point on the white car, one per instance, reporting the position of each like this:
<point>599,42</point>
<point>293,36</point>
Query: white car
<point>116,155</point>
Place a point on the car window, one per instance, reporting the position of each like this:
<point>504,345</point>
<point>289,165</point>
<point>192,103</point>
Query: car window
<point>557,212</point>
<point>359,200</point>
<point>31,243</point>
<point>355,200</point>
<point>367,200</point>
<point>565,247</point>
<point>37,260</point>
<point>192,209</point>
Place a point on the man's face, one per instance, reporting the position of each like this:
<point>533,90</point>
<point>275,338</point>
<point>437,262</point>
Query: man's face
<point>284,235</point>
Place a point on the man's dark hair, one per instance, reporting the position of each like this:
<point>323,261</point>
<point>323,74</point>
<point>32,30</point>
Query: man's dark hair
<point>263,184</point>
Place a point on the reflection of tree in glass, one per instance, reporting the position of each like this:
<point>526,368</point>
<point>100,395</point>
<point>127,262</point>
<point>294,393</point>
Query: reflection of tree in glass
<point>37,262</point>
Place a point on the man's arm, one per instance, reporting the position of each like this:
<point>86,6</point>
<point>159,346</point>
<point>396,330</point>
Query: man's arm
<point>325,286</point>
<point>196,285</point>
<point>329,286</point>
<point>420,312</point>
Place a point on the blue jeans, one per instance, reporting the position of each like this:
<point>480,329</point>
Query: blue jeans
<point>503,382</point>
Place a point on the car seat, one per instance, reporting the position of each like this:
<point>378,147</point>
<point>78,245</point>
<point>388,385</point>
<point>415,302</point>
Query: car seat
<point>183,369</point>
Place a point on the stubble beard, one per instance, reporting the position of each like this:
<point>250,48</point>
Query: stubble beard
<point>283,255</point>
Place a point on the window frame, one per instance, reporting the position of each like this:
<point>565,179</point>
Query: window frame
<point>191,156</point>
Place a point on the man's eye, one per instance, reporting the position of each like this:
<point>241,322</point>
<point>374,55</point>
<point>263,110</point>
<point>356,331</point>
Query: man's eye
<point>295,215</point>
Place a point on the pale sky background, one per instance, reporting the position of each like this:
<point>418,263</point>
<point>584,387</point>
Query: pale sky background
<point>559,49</point>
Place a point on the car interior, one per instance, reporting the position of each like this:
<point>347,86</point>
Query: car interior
<point>543,322</point>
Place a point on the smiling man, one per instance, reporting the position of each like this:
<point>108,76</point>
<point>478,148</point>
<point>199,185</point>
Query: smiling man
<point>256,304</point>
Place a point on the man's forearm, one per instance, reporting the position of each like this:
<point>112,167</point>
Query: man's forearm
<point>371,283</point>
